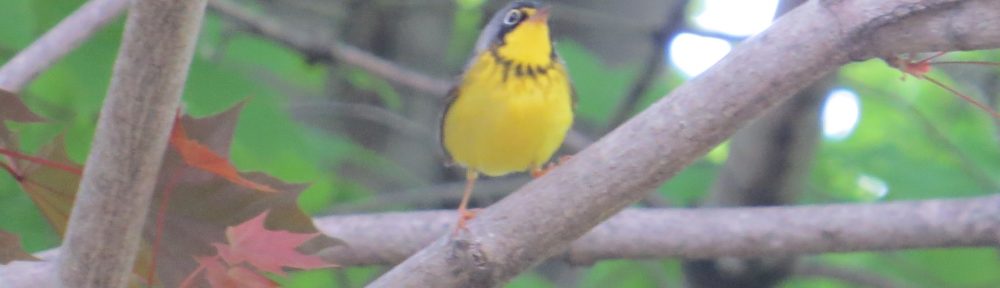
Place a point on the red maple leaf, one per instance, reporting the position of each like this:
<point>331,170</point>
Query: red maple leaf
<point>201,157</point>
<point>195,206</point>
<point>265,249</point>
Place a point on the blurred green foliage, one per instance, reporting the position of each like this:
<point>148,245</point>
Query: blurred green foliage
<point>921,141</point>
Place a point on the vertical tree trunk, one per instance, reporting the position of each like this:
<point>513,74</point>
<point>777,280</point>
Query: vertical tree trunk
<point>120,173</point>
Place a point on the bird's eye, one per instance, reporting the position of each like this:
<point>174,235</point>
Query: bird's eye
<point>512,17</point>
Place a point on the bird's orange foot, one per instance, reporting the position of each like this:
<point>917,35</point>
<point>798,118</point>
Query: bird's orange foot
<point>464,216</point>
<point>538,172</point>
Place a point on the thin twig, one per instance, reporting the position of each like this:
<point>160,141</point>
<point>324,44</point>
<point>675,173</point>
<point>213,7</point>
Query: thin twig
<point>982,177</point>
<point>653,66</point>
<point>57,42</point>
<point>370,113</point>
<point>318,49</point>
<point>698,31</point>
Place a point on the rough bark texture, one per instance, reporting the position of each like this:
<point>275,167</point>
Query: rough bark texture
<point>121,170</point>
<point>57,42</point>
<point>542,218</point>
<point>703,233</point>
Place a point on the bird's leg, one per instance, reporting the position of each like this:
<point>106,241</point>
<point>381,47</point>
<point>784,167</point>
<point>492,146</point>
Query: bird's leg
<point>539,172</point>
<point>464,214</point>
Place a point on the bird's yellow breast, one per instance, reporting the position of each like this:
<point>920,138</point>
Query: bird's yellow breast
<point>508,117</point>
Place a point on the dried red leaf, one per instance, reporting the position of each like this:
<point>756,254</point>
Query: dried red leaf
<point>11,108</point>
<point>194,207</point>
<point>11,250</point>
<point>267,250</point>
<point>199,156</point>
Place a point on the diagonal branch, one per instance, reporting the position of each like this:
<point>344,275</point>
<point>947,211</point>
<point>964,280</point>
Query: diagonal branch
<point>542,218</point>
<point>703,233</point>
<point>58,42</point>
<point>117,186</point>
<point>317,49</point>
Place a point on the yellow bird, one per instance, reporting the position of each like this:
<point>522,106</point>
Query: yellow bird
<point>514,103</point>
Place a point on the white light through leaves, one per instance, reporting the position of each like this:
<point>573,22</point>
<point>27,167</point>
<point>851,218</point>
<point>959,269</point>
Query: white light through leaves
<point>693,54</point>
<point>736,17</point>
<point>874,186</point>
<point>841,112</point>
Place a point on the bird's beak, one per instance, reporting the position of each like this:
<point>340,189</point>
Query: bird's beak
<point>541,15</point>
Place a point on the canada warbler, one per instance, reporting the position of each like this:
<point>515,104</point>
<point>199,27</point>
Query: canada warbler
<point>514,103</point>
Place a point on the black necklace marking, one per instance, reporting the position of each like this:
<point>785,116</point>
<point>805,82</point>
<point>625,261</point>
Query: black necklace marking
<point>520,70</point>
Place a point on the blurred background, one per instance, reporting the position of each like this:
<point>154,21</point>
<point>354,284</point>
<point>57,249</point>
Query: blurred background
<point>364,134</point>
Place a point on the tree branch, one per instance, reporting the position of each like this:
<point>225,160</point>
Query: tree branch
<point>121,171</point>
<point>703,233</point>
<point>542,218</point>
<point>58,42</point>
<point>690,233</point>
<point>321,50</point>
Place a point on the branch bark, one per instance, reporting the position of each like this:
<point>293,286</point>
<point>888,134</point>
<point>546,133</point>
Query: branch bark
<point>703,233</point>
<point>542,218</point>
<point>120,173</point>
<point>57,42</point>
<point>700,233</point>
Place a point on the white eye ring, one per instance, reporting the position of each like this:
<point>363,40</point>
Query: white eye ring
<point>512,17</point>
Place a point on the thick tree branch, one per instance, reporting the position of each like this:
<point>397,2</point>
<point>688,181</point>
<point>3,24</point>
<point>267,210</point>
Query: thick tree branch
<point>542,218</point>
<point>855,277</point>
<point>58,42</point>
<point>121,171</point>
<point>703,233</point>
<point>689,233</point>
